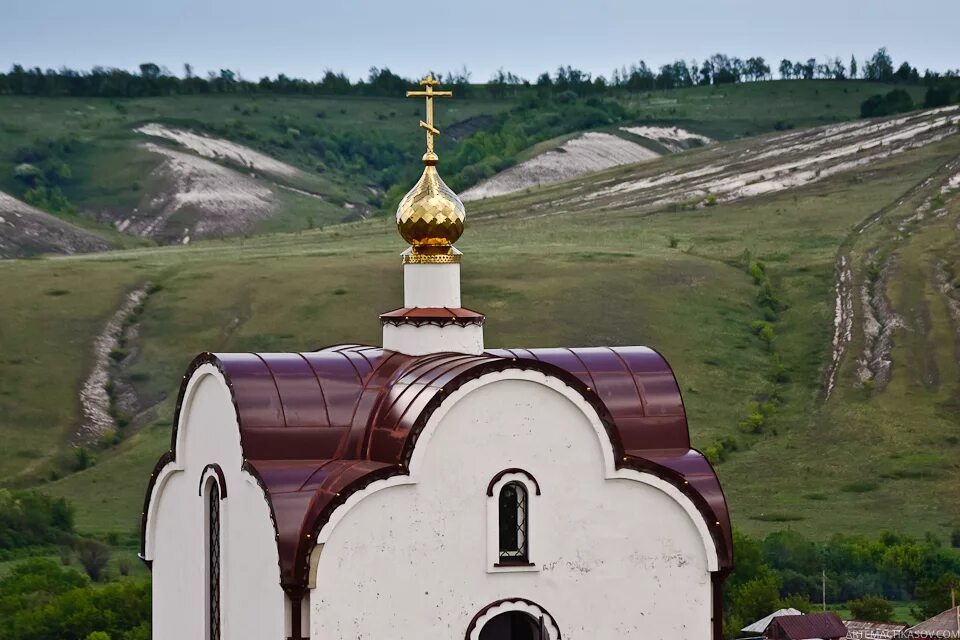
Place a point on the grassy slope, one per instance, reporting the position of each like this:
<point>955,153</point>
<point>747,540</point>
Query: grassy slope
<point>731,111</point>
<point>547,281</point>
<point>110,169</point>
<point>591,278</point>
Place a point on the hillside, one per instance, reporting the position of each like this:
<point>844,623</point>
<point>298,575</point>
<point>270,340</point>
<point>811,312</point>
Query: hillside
<point>769,270</point>
<point>28,231</point>
<point>171,170</point>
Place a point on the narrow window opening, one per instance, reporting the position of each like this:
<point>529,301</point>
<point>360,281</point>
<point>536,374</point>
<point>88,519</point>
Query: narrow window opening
<point>213,561</point>
<point>514,521</point>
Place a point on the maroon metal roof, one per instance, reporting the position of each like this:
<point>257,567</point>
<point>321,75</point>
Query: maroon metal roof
<point>825,625</point>
<point>317,426</point>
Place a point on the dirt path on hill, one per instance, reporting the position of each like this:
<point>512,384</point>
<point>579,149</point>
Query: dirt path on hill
<point>101,397</point>
<point>877,318</point>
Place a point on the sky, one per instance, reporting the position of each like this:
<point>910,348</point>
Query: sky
<point>303,38</point>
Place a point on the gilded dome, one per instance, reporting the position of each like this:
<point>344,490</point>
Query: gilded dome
<point>430,217</point>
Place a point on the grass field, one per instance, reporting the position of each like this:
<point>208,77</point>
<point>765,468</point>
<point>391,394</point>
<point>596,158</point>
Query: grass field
<point>670,279</point>
<point>547,273</point>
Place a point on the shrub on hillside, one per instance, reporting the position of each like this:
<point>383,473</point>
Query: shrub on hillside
<point>896,101</point>
<point>871,609</point>
<point>33,519</point>
<point>94,557</point>
<point>938,96</point>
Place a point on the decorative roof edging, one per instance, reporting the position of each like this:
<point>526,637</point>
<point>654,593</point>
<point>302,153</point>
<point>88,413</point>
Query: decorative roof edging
<point>439,375</point>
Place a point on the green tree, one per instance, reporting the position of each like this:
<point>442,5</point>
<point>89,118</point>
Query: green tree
<point>800,602</point>
<point>934,596</point>
<point>756,598</point>
<point>879,66</point>
<point>94,557</point>
<point>939,96</point>
<point>150,70</point>
<point>871,609</point>
<point>119,610</point>
<point>786,69</point>
<point>31,518</point>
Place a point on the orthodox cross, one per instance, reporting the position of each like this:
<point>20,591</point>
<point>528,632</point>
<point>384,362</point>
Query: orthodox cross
<point>429,82</point>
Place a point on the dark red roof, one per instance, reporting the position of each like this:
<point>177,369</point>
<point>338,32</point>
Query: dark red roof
<point>432,315</point>
<point>826,625</point>
<point>318,426</point>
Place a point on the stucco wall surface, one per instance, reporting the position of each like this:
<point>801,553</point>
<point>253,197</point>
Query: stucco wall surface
<point>252,601</point>
<point>615,557</point>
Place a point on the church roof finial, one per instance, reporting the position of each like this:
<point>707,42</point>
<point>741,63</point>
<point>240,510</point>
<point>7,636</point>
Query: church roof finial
<point>429,158</point>
<point>430,217</point>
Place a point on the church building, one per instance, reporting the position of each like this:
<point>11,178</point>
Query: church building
<point>432,488</point>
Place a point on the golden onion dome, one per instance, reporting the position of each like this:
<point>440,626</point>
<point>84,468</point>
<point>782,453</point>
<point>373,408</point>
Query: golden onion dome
<point>431,215</point>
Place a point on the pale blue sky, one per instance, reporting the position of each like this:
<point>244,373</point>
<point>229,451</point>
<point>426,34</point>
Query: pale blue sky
<point>304,37</point>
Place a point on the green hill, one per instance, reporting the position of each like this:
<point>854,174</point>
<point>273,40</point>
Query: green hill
<point>725,258</point>
<point>180,168</point>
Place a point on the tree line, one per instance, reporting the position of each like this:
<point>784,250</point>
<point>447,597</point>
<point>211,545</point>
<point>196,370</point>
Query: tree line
<point>43,598</point>
<point>154,80</point>
<point>786,569</point>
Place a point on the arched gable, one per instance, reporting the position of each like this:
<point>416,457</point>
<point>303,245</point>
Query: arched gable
<point>615,464</point>
<point>318,427</point>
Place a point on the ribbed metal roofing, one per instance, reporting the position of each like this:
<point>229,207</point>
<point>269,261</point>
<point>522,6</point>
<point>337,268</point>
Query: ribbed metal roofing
<point>314,427</point>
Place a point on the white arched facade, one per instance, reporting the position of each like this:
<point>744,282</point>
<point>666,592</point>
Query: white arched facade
<point>615,553</point>
<point>175,537</point>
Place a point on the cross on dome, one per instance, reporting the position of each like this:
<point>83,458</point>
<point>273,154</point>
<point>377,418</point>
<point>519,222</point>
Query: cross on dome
<point>430,217</point>
<point>429,94</point>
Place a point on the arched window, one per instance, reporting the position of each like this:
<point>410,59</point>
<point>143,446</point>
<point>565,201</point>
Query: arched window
<point>514,625</point>
<point>213,560</point>
<point>514,515</point>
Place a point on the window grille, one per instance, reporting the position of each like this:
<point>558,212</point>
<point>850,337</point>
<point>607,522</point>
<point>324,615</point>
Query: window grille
<point>213,560</point>
<point>514,520</point>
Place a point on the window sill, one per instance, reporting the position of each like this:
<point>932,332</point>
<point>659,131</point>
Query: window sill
<point>511,567</point>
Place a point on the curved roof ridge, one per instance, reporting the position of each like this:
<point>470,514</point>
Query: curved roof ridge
<point>573,352</point>
<point>323,396</point>
<point>636,385</point>
<point>429,364</point>
<point>311,468</point>
<point>283,412</point>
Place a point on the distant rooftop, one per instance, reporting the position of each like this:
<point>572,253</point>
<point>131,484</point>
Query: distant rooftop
<point>860,630</point>
<point>943,625</point>
<point>761,625</point>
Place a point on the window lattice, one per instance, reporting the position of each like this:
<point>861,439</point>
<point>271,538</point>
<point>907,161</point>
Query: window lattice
<point>514,516</point>
<point>213,560</point>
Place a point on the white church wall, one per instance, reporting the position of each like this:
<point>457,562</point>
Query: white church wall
<point>618,554</point>
<point>252,602</point>
<point>428,338</point>
<point>431,285</point>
